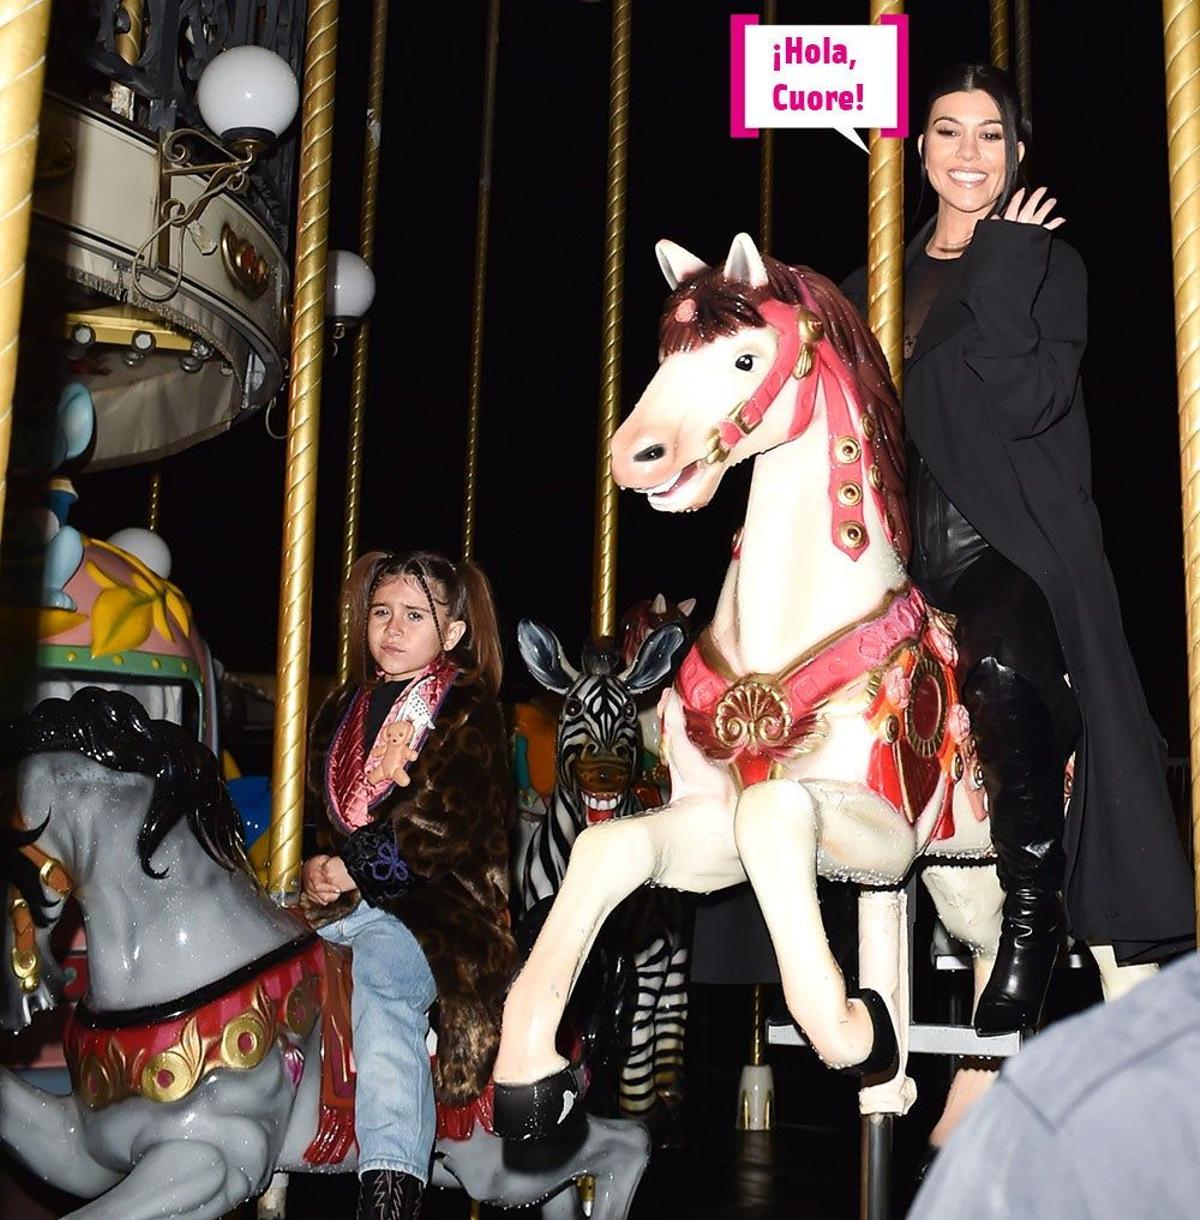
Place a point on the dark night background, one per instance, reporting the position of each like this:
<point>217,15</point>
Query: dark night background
<point>1099,143</point>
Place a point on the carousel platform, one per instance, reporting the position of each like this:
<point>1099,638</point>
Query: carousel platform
<point>807,1168</point>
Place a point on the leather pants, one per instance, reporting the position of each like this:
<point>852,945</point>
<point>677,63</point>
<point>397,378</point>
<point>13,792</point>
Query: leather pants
<point>1026,721</point>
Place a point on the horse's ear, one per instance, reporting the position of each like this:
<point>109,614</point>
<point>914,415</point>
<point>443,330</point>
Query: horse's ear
<point>653,660</point>
<point>744,263</point>
<point>543,654</point>
<point>687,606</point>
<point>659,604</point>
<point>677,263</point>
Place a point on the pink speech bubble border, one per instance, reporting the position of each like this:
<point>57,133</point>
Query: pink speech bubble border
<point>737,76</point>
<point>900,131</point>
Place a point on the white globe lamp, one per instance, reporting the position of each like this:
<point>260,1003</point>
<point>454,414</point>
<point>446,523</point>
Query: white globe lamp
<point>349,287</point>
<point>248,96</point>
<point>145,545</point>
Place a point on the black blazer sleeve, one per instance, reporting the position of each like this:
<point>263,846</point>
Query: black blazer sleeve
<point>1027,295</point>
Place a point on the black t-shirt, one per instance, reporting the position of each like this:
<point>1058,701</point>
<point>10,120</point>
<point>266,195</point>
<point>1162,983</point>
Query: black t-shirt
<point>381,700</point>
<point>945,543</point>
<point>924,281</point>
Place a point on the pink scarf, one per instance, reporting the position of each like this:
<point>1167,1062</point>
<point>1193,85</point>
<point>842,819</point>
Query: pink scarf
<point>353,784</point>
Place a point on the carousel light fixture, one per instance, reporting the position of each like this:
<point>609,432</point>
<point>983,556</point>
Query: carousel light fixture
<point>193,360</point>
<point>247,97</point>
<point>349,290</point>
<point>141,344</point>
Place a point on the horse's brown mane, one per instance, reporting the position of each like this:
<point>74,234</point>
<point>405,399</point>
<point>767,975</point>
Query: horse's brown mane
<point>723,307</point>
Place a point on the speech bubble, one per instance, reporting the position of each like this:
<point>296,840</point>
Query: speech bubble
<point>825,76</point>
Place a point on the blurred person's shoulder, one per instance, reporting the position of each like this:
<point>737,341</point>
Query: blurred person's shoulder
<point>1077,1060</point>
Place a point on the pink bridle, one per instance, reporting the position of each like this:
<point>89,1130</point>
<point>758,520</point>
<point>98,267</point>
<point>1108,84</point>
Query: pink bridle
<point>802,348</point>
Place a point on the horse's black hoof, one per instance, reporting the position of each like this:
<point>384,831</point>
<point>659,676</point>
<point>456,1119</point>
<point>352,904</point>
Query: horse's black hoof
<point>884,1057</point>
<point>540,1109</point>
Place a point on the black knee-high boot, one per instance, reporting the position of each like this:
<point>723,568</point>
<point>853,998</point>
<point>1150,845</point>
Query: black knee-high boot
<point>389,1194</point>
<point>1023,747</point>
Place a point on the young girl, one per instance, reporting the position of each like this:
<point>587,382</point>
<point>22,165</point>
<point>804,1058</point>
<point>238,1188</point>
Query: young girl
<point>416,785</point>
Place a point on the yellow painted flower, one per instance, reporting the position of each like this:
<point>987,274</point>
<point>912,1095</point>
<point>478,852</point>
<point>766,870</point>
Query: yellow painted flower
<point>123,614</point>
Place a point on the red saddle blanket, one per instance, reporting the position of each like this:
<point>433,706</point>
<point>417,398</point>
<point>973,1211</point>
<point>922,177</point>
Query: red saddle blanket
<point>163,1060</point>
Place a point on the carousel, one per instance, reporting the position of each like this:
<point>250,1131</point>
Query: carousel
<point>180,1037</point>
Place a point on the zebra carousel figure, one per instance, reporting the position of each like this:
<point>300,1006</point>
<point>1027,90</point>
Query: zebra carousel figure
<point>631,1006</point>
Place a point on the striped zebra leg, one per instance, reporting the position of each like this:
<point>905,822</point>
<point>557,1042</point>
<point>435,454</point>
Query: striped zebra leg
<point>638,1094</point>
<point>670,1022</point>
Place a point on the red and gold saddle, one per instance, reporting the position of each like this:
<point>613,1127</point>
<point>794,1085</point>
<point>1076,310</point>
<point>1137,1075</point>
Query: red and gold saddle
<point>162,1053</point>
<point>759,723</point>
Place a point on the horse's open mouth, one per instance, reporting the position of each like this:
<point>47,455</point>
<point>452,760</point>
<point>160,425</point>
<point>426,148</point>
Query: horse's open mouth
<point>663,495</point>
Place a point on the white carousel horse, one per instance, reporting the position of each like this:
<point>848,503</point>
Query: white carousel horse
<point>814,728</point>
<point>196,1056</point>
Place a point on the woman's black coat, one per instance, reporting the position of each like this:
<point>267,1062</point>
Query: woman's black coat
<point>992,400</point>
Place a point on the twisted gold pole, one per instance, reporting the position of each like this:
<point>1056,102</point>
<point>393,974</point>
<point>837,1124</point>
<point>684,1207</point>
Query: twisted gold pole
<point>154,500</point>
<point>998,28</point>
<point>129,48</point>
<point>1181,37</point>
<point>766,240</point>
<point>129,44</point>
<point>885,232</point>
<point>604,554</point>
<point>23,30</point>
<point>479,293</point>
<point>300,492</point>
<point>362,338</point>
<point>766,164</point>
<point>1023,42</point>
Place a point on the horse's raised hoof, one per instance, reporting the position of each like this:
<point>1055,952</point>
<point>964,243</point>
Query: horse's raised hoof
<point>540,1109</point>
<point>884,1057</point>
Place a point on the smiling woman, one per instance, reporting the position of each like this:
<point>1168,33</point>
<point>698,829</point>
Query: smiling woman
<point>1007,538</point>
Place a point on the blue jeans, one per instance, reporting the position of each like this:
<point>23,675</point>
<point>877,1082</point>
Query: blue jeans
<point>394,1116</point>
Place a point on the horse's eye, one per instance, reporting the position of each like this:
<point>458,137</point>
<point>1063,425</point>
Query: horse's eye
<point>630,712</point>
<point>745,362</point>
<point>574,707</point>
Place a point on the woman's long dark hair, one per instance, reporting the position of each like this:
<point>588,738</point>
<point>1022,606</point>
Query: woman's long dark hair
<point>998,85</point>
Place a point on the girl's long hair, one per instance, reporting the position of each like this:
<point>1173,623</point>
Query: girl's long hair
<point>459,591</point>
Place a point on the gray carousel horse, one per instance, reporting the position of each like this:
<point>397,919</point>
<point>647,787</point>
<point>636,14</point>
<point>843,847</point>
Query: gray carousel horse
<point>197,1054</point>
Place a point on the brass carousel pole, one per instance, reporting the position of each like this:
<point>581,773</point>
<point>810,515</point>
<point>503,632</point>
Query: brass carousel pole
<point>362,337</point>
<point>757,1088</point>
<point>479,293</point>
<point>766,164</point>
<point>604,555</point>
<point>998,29</point>
<point>300,491</point>
<point>1181,37</point>
<point>154,499</point>
<point>24,27</point>
<point>885,232</point>
<point>885,316</point>
<point>1023,57</point>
